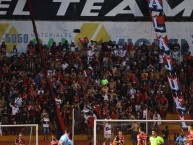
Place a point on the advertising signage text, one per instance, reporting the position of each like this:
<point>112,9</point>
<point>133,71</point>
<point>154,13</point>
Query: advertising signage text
<point>94,10</point>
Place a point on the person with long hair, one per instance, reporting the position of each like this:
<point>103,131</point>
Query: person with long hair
<point>54,140</point>
<point>20,140</point>
<point>190,138</point>
<point>119,139</point>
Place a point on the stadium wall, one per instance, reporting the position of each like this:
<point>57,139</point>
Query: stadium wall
<point>19,33</point>
<point>94,10</point>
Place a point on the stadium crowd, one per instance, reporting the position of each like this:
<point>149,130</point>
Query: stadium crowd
<point>101,80</point>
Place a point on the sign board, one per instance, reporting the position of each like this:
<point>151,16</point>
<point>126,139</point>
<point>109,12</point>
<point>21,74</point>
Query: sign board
<point>21,32</point>
<point>94,10</point>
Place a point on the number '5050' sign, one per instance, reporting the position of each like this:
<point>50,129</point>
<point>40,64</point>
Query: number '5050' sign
<point>16,38</point>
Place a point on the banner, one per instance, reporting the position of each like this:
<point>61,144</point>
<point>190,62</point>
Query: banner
<point>96,10</point>
<point>159,23</point>
<point>158,19</point>
<point>19,33</point>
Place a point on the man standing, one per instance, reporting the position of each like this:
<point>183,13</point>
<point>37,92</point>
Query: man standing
<point>64,139</point>
<point>107,133</point>
<point>166,133</point>
<point>180,139</point>
<point>134,132</point>
<point>141,137</point>
<point>190,139</point>
<point>46,126</point>
<point>155,139</point>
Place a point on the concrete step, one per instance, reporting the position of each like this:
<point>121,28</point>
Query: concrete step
<point>172,117</point>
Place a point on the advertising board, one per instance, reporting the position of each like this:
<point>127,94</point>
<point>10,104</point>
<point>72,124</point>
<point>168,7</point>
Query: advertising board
<point>94,10</point>
<point>19,33</point>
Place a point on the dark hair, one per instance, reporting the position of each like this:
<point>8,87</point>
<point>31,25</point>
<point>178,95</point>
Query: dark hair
<point>191,125</point>
<point>141,128</point>
<point>67,130</point>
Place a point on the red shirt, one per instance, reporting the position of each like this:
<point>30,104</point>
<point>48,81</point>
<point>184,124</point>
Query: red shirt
<point>142,138</point>
<point>113,116</point>
<point>119,138</point>
<point>91,121</point>
<point>138,99</point>
<point>20,141</point>
<point>163,100</point>
<point>191,136</point>
<point>54,142</point>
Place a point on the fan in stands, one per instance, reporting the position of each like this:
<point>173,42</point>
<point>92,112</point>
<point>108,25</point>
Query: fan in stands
<point>84,41</point>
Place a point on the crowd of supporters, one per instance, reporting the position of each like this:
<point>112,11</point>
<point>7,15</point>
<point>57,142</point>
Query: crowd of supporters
<point>101,80</point>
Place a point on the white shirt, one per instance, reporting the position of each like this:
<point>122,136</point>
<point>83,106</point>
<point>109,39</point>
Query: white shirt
<point>18,101</point>
<point>51,72</point>
<point>90,53</point>
<point>64,66</point>
<point>0,130</point>
<point>58,102</point>
<point>40,91</point>
<point>73,49</point>
<point>144,113</point>
<point>106,98</point>
<point>161,59</point>
<point>14,109</point>
<point>121,53</point>
<point>46,122</point>
<point>107,128</point>
<point>132,92</point>
<point>175,54</point>
<point>157,117</point>
<point>97,82</point>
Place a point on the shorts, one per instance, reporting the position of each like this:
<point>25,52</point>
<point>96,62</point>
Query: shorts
<point>134,135</point>
<point>107,136</point>
<point>46,130</point>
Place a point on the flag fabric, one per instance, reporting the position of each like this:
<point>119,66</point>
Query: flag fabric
<point>84,40</point>
<point>158,20</point>
<point>159,23</point>
<point>155,5</point>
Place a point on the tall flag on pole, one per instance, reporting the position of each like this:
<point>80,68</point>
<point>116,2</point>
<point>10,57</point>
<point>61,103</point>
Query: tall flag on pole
<point>158,20</point>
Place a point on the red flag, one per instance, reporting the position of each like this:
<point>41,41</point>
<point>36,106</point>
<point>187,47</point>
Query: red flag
<point>83,40</point>
<point>159,23</point>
